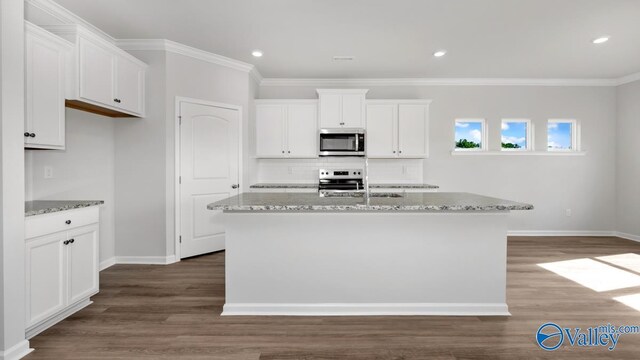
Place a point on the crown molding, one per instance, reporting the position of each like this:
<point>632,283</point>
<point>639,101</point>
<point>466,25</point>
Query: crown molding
<point>181,49</point>
<point>437,82</point>
<point>65,16</point>
<point>628,79</point>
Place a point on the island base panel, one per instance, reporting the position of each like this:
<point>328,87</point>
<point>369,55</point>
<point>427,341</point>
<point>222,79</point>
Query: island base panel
<point>365,263</point>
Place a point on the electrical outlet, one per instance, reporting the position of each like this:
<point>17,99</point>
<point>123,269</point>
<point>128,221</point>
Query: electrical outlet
<point>48,172</point>
<point>568,212</point>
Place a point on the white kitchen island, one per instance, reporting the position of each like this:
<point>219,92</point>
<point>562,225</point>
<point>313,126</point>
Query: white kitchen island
<point>419,254</point>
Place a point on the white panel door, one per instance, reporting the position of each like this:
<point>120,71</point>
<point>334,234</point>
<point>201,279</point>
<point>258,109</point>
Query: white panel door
<point>270,130</point>
<point>46,282</point>
<point>330,111</point>
<point>45,81</point>
<point>128,85</point>
<point>352,110</point>
<point>302,129</point>
<point>412,130</point>
<point>382,131</point>
<point>96,72</point>
<point>209,169</point>
<point>82,255</point>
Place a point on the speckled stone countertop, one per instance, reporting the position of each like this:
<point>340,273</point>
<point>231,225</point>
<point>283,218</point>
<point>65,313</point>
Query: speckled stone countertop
<point>39,207</point>
<point>425,202</point>
<point>312,186</point>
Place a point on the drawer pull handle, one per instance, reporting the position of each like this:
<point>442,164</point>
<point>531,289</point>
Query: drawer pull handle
<point>68,222</point>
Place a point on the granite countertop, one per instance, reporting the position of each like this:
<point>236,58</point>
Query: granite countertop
<point>38,207</point>
<point>315,186</point>
<point>425,202</point>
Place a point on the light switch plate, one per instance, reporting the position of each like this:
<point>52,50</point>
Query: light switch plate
<point>48,172</point>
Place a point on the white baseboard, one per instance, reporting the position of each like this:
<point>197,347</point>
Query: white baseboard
<point>363,309</point>
<point>627,236</point>
<point>107,263</point>
<point>44,325</point>
<point>560,233</point>
<point>146,260</point>
<point>18,351</point>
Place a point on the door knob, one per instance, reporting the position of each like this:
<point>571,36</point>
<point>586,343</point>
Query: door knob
<point>235,186</point>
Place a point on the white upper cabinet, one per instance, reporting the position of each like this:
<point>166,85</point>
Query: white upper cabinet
<point>45,58</point>
<point>129,85</point>
<point>397,128</point>
<point>342,108</point>
<point>286,128</point>
<point>96,66</point>
<point>103,78</point>
<point>382,128</point>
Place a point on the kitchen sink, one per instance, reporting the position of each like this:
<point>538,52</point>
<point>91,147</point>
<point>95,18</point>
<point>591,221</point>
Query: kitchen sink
<point>354,194</point>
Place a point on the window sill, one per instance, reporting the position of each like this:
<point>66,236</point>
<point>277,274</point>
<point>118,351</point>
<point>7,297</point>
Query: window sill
<point>518,153</point>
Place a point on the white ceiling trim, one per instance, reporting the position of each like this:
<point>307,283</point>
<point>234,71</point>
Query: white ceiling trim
<point>438,82</point>
<point>629,78</point>
<point>65,16</point>
<point>181,49</point>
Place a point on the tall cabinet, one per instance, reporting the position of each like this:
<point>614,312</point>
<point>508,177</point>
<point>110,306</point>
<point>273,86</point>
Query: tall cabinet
<point>397,128</point>
<point>286,128</point>
<point>46,56</point>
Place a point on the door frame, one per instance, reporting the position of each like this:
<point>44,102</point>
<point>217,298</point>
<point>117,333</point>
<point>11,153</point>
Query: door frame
<point>178,154</point>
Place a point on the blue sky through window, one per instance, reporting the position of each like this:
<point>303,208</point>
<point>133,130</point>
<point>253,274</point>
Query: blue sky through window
<point>559,135</point>
<point>514,133</point>
<point>469,130</point>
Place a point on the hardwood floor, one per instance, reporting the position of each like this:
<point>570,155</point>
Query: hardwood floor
<point>172,312</point>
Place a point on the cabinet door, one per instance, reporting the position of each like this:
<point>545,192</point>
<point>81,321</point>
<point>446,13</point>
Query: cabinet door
<point>44,89</point>
<point>353,110</point>
<point>129,83</point>
<point>96,72</point>
<point>83,267</point>
<point>302,129</point>
<point>330,111</point>
<point>46,283</point>
<point>270,131</point>
<point>412,131</point>
<point>382,131</point>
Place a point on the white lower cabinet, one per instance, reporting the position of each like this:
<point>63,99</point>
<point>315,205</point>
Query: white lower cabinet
<point>62,267</point>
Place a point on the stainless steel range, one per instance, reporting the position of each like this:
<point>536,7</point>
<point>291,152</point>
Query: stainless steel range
<point>336,182</point>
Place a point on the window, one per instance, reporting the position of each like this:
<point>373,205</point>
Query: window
<point>470,135</point>
<point>516,135</point>
<point>562,135</point>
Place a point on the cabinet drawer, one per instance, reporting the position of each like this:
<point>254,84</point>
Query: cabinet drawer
<point>39,225</point>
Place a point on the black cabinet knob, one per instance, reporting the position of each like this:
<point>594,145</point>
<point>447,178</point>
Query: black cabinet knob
<point>117,100</point>
<point>32,135</point>
<point>72,241</point>
<point>66,242</point>
<point>26,134</point>
<point>68,222</point>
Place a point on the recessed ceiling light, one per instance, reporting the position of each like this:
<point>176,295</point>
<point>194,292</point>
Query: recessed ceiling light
<point>600,40</point>
<point>440,53</point>
<point>257,53</point>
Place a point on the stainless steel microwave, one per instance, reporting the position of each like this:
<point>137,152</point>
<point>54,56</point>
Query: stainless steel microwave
<point>342,142</point>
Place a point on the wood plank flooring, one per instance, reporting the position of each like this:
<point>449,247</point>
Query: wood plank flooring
<point>172,312</point>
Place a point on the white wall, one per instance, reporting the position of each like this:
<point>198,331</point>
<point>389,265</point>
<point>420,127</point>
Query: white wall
<point>12,296</point>
<point>628,160</point>
<point>84,171</point>
<point>584,184</point>
<point>145,161</point>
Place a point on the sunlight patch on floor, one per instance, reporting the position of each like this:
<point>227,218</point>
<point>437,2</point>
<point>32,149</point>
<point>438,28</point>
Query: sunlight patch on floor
<point>628,261</point>
<point>632,301</point>
<point>593,274</point>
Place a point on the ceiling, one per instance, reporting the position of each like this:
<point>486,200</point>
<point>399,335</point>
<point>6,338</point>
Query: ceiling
<point>391,38</point>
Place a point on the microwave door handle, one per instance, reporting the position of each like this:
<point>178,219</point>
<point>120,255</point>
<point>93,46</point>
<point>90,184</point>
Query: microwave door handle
<point>357,141</point>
